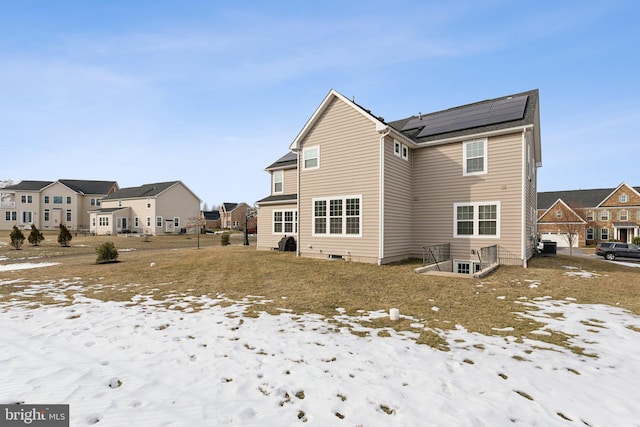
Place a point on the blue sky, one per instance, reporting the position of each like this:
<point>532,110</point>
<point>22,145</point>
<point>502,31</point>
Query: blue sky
<point>212,92</point>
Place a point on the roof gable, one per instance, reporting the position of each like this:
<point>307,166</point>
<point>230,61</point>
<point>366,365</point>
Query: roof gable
<point>613,199</point>
<point>334,95</point>
<point>568,214</point>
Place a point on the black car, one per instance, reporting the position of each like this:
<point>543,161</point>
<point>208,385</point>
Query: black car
<point>613,250</point>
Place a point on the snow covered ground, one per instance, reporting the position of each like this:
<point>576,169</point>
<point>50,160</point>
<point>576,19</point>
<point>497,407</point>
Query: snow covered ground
<point>142,364</point>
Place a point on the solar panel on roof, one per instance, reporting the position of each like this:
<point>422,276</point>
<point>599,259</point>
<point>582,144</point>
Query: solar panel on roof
<point>499,111</point>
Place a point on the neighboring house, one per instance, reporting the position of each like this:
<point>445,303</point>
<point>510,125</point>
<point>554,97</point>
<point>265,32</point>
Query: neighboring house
<point>47,204</point>
<point>596,215</point>
<point>233,216</point>
<point>360,188</point>
<point>211,219</point>
<point>154,209</point>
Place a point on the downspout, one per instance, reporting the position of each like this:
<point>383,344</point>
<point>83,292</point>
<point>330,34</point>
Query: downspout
<point>524,238</point>
<point>298,245</point>
<point>383,133</point>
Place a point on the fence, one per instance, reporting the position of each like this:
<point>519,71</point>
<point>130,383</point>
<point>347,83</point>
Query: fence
<point>436,253</point>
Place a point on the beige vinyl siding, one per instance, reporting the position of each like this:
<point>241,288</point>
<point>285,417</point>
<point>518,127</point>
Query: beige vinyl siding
<point>397,204</point>
<point>290,181</point>
<point>77,217</point>
<point>176,201</point>
<point>439,183</point>
<point>266,239</point>
<point>349,166</point>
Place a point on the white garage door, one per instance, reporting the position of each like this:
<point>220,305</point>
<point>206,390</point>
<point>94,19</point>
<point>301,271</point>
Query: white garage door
<point>559,238</point>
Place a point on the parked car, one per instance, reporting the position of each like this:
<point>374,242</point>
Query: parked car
<point>613,250</point>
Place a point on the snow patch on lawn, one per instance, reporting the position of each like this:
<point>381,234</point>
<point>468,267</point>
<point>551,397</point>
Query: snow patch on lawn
<point>139,363</point>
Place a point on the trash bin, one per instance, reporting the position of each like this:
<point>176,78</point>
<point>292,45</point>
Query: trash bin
<point>549,248</point>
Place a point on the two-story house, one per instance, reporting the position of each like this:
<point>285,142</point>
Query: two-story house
<point>47,204</point>
<point>357,187</point>
<point>592,216</point>
<point>153,209</point>
<point>234,215</point>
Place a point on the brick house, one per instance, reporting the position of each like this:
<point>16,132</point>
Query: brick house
<point>597,215</point>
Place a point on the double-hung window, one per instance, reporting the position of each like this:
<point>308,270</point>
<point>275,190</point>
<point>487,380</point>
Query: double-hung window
<point>338,216</point>
<point>311,158</point>
<point>478,220</point>
<point>474,154</point>
<point>285,221</point>
<point>278,181</point>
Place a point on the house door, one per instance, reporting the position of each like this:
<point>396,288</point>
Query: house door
<point>56,216</point>
<point>623,235</point>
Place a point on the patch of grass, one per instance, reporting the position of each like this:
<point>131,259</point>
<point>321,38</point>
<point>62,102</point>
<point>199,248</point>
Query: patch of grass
<point>286,283</point>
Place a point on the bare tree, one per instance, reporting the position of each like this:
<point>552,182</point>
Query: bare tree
<point>196,223</point>
<point>570,223</point>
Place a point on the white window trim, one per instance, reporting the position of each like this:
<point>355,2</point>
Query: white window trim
<point>608,234</point>
<point>474,266</point>
<point>397,148</point>
<point>484,155</point>
<point>405,152</point>
<point>24,215</point>
<point>476,221</point>
<point>604,216</point>
<point>344,217</point>
<point>159,221</point>
<point>304,157</point>
<point>283,232</point>
<point>276,181</point>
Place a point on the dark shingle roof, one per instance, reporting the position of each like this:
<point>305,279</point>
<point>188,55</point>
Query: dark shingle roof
<point>528,118</point>
<point>109,210</point>
<point>288,160</point>
<point>211,215</point>
<point>146,190</point>
<point>88,187</point>
<point>29,185</point>
<point>575,198</point>
<point>228,207</point>
<point>278,198</point>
